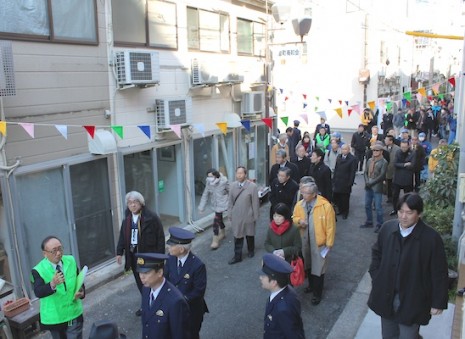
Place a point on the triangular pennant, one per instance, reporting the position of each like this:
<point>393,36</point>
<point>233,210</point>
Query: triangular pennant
<point>389,106</point>
<point>430,97</point>
<point>305,118</point>
<point>441,96</point>
<point>418,96</point>
<point>408,103</point>
<point>322,114</point>
<point>28,127</point>
<point>118,130</point>
<point>435,88</point>
<point>90,130</point>
<point>408,95</point>
<point>356,108</point>
<point>268,122</point>
<point>317,98</point>
<point>452,93</point>
<point>285,120</point>
<point>349,111</point>
<point>270,88</point>
<point>347,102</point>
<point>177,130</point>
<point>316,108</point>
<point>223,126</point>
<point>371,104</point>
<point>340,102</point>
<point>404,102</point>
<point>305,105</point>
<point>422,91</point>
<point>452,81</point>
<point>63,129</point>
<point>246,124</point>
<point>305,96</point>
<point>286,98</point>
<point>145,129</point>
<point>3,128</point>
<point>330,100</point>
<point>200,128</point>
<point>339,112</point>
<point>281,90</point>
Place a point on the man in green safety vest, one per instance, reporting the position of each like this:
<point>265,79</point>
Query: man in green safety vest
<point>54,279</point>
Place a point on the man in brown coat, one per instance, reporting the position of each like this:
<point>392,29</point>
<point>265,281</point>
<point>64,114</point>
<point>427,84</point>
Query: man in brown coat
<point>243,208</point>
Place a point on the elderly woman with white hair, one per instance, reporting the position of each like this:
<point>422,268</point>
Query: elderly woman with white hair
<point>141,232</point>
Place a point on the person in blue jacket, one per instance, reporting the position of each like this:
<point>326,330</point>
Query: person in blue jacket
<point>165,313</point>
<point>282,315</point>
<point>188,273</point>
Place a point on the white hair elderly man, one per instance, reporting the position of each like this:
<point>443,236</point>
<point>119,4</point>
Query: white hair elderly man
<point>141,232</point>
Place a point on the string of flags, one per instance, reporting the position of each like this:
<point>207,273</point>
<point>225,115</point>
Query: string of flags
<point>119,129</point>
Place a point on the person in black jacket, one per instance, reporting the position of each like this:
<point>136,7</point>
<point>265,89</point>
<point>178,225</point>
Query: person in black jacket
<point>387,124</point>
<point>343,179</point>
<point>141,232</point>
<point>282,162</point>
<point>302,162</point>
<point>403,173</point>
<point>322,174</point>
<point>360,142</point>
<point>283,189</point>
<point>420,161</point>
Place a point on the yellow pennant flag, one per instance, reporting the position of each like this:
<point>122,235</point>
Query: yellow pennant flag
<point>339,112</point>
<point>3,128</point>
<point>422,91</point>
<point>223,126</point>
<point>371,104</point>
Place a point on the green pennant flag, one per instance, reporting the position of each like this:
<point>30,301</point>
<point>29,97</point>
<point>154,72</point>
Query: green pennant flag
<point>316,108</point>
<point>441,96</point>
<point>389,106</point>
<point>408,96</point>
<point>118,130</point>
<point>317,98</point>
<point>285,120</point>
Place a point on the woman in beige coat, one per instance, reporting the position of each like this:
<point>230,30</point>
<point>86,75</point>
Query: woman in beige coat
<point>243,212</point>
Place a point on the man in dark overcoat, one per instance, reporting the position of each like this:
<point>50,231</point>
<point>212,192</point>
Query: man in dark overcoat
<point>283,189</point>
<point>404,166</point>
<point>408,271</point>
<point>321,173</point>
<point>280,163</point>
<point>343,179</point>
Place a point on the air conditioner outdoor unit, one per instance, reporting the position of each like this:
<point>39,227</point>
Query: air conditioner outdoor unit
<point>200,75</point>
<point>253,103</point>
<point>172,112</point>
<point>137,68</point>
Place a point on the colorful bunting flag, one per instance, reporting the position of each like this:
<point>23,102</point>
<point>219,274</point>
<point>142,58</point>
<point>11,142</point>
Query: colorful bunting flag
<point>356,108</point>
<point>340,102</point>
<point>281,90</point>
<point>322,114</point>
<point>177,130</point>
<point>118,130</point>
<point>28,127</point>
<point>305,118</point>
<point>347,102</point>
<point>286,98</point>
<point>371,104</point>
<point>90,130</point>
<point>145,129</point>
<point>452,81</point>
<point>305,96</point>
<point>200,128</point>
<point>435,88</point>
<point>305,105</point>
<point>330,100</point>
<point>63,129</point>
<point>317,98</point>
<point>246,124</point>
<point>389,106</point>
<point>418,95</point>
<point>268,122</point>
<point>441,96</point>
<point>3,128</point>
<point>339,112</point>
<point>404,102</point>
<point>422,91</point>
<point>223,126</point>
<point>285,120</point>
<point>408,96</point>
<point>349,111</point>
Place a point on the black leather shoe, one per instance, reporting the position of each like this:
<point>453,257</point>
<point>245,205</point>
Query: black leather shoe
<point>378,227</point>
<point>251,254</point>
<point>234,260</point>
<point>366,225</point>
<point>139,312</point>
<point>316,300</point>
<point>393,212</point>
<point>308,289</point>
<point>344,217</point>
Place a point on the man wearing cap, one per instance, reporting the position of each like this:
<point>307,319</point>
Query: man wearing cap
<point>375,173</point>
<point>141,231</point>
<point>282,314</point>
<point>188,273</point>
<point>404,135</point>
<point>165,313</point>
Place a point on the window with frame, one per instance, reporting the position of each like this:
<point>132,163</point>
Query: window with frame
<point>148,23</point>
<point>250,38</point>
<point>63,21</point>
<point>207,31</point>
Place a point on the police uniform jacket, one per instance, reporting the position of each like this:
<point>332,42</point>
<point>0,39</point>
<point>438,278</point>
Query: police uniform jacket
<point>168,317</point>
<point>191,281</point>
<point>282,316</point>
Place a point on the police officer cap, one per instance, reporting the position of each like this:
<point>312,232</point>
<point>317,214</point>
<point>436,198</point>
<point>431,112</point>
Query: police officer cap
<point>105,329</point>
<point>275,266</point>
<point>422,135</point>
<point>180,236</point>
<point>150,261</point>
<point>296,122</point>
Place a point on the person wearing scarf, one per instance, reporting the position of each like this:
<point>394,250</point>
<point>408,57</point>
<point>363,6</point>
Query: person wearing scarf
<point>283,238</point>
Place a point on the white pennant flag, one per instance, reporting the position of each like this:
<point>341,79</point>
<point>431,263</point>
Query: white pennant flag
<point>63,129</point>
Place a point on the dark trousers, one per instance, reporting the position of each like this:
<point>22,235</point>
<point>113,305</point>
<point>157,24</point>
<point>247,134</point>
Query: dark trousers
<point>218,223</point>
<point>72,331</point>
<point>389,188</point>
<point>393,329</point>
<point>342,202</point>
<point>238,244</point>
<point>316,283</point>
<point>416,181</point>
<point>360,155</point>
<point>196,317</point>
<point>134,272</point>
<point>396,192</point>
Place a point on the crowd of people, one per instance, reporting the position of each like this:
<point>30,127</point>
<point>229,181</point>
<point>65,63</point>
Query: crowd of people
<point>310,183</point>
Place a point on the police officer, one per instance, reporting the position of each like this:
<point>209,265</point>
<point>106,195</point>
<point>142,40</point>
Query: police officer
<point>165,313</point>
<point>282,315</point>
<point>188,273</point>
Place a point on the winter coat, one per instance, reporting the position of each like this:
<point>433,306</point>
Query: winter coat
<point>376,181</point>
<point>403,176</point>
<point>218,194</point>
<point>420,158</point>
<point>330,158</point>
<point>290,242</point>
<point>344,174</point>
<point>243,208</point>
<point>285,193</point>
<point>275,169</point>
<point>419,263</point>
<point>273,153</point>
<point>360,141</point>
<point>398,120</point>
<point>387,122</point>
<point>303,166</point>
<point>324,220</point>
<point>322,175</point>
<point>392,159</point>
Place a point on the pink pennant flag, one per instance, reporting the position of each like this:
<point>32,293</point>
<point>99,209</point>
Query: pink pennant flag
<point>305,118</point>
<point>418,97</point>
<point>356,108</point>
<point>177,130</point>
<point>63,129</point>
<point>28,127</point>
<point>435,88</point>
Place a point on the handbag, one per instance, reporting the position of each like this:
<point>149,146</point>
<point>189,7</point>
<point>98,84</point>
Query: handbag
<point>298,275</point>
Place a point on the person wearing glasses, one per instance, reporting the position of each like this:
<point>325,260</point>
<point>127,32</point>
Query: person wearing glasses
<point>54,281</point>
<point>375,173</point>
<point>141,232</point>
